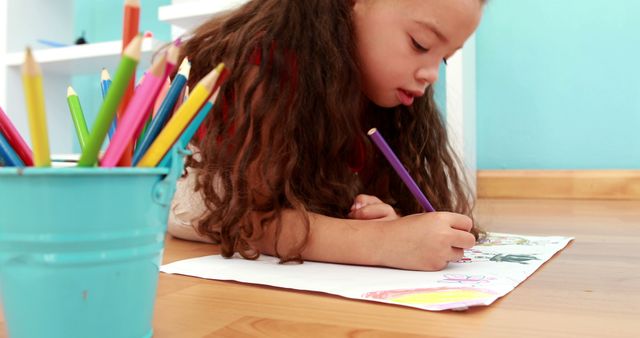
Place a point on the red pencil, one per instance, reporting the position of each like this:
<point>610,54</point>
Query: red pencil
<point>130,28</point>
<point>15,140</point>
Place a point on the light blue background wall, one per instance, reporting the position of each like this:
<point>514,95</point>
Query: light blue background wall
<point>558,85</point>
<point>102,21</point>
<point>440,90</point>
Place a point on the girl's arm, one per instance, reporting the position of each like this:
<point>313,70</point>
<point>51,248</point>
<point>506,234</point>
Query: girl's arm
<point>416,242</point>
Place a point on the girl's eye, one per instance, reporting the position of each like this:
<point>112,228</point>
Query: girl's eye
<point>418,46</point>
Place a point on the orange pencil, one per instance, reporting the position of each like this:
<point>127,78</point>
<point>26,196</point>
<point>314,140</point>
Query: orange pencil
<point>130,28</point>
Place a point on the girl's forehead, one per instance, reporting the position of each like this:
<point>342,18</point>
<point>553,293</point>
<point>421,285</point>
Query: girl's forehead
<point>450,19</point>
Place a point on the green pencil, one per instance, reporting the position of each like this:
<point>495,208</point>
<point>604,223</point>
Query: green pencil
<point>78,117</point>
<point>106,114</point>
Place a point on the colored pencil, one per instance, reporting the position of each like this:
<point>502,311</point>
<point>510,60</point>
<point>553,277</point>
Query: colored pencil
<point>182,117</point>
<point>51,43</point>
<point>136,113</point>
<point>172,59</point>
<point>161,96</point>
<point>400,169</point>
<point>105,83</point>
<point>34,98</point>
<point>78,117</point>
<point>164,112</point>
<point>107,112</point>
<point>187,135</point>
<point>15,139</point>
<point>130,22</point>
<point>143,131</point>
<point>130,28</point>
<point>7,155</point>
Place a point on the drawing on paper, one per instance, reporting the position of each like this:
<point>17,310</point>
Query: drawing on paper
<point>522,259</point>
<point>475,255</point>
<point>456,278</point>
<point>434,298</point>
<point>499,239</point>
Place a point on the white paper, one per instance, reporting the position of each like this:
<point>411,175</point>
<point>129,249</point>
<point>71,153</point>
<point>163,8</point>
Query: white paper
<point>489,270</point>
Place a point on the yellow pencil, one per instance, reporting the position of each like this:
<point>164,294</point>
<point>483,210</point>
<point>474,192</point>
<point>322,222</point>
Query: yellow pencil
<point>180,120</point>
<point>34,98</point>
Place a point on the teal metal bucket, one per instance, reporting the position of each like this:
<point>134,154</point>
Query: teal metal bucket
<point>80,249</point>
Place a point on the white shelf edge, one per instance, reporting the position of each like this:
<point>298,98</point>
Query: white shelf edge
<point>80,59</point>
<point>191,14</point>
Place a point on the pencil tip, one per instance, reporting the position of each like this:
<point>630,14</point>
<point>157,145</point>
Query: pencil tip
<point>134,47</point>
<point>70,91</point>
<point>372,131</point>
<point>30,66</point>
<point>185,67</point>
<point>104,75</point>
<point>220,67</point>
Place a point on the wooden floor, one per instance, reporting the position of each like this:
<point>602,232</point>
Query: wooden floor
<point>590,289</point>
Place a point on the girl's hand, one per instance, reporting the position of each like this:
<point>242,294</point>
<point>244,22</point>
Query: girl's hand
<point>370,207</point>
<point>424,241</point>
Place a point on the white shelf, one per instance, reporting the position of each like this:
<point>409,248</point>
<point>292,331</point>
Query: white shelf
<point>189,15</point>
<point>82,59</point>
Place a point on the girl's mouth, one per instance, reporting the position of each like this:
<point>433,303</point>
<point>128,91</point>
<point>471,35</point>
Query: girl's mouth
<point>405,97</point>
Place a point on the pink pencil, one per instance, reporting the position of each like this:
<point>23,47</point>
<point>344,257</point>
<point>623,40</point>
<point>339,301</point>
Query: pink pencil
<point>136,113</point>
<point>172,56</point>
<point>172,60</point>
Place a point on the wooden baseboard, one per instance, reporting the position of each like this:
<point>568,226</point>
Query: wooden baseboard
<point>560,184</point>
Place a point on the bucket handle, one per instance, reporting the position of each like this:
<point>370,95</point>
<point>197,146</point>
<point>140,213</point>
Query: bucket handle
<point>164,189</point>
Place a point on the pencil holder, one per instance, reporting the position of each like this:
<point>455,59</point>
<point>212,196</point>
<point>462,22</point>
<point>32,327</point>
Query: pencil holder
<point>80,248</point>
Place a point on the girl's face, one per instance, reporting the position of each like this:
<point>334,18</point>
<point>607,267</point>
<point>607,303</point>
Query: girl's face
<point>401,43</point>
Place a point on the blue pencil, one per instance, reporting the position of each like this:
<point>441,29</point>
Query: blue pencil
<point>164,112</point>
<point>52,43</point>
<point>8,156</point>
<point>105,83</point>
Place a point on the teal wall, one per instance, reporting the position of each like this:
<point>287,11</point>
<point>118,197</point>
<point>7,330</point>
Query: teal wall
<point>101,20</point>
<point>557,85</point>
<point>440,90</point>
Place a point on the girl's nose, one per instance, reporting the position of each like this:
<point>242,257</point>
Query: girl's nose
<point>427,75</point>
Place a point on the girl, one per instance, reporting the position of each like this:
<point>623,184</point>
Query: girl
<point>284,166</point>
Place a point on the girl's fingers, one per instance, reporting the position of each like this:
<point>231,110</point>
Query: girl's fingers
<point>456,254</point>
<point>458,221</point>
<point>463,240</point>
<point>373,211</point>
<point>363,200</point>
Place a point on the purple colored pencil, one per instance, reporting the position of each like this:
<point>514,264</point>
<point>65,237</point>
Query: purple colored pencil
<point>400,169</point>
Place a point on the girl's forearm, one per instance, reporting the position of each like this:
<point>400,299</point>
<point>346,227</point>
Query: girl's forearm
<point>330,239</point>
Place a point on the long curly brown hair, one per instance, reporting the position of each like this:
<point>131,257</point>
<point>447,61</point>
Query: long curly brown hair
<point>299,121</point>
